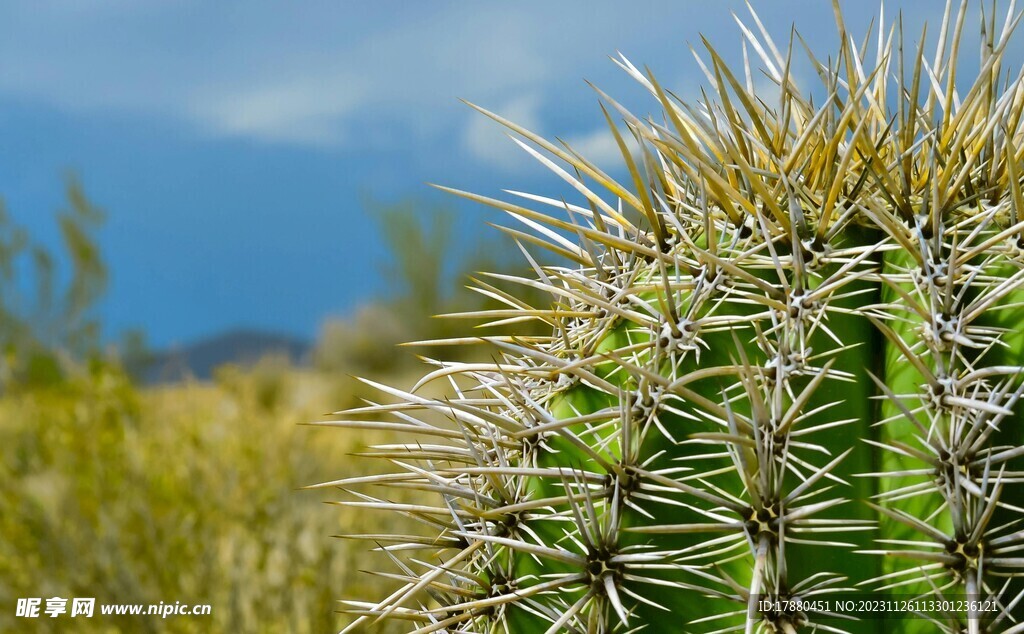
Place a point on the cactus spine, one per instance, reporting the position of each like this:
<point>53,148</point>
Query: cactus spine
<point>784,361</point>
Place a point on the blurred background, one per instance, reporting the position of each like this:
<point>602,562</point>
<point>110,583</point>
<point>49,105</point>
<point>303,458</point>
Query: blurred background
<point>215,214</point>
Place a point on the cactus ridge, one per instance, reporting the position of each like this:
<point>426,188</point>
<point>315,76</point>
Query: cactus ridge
<point>783,361</point>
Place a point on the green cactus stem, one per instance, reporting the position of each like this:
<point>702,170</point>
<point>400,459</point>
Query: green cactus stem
<point>783,360</point>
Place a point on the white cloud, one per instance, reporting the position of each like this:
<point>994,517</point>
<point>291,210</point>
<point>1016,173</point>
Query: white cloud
<point>328,75</point>
<point>333,73</point>
<point>304,111</point>
<point>598,147</point>
<point>298,77</point>
<point>487,140</point>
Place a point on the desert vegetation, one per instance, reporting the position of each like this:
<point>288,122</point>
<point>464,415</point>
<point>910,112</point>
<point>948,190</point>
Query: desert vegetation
<point>193,491</point>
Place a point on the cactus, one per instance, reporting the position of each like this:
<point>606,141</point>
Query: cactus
<point>782,361</point>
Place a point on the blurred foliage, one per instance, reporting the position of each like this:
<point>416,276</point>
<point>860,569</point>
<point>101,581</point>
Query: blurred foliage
<point>185,493</point>
<point>134,353</point>
<point>188,492</point>
<point>429,270</point>
<point>421,251</point>
<point>364,344</point>
<point>47,321</point>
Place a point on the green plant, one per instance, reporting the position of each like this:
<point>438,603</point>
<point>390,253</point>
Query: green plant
<point>177,493</point>
<point>784,362</point>
<point>425,259</point>
<point>45,330</point>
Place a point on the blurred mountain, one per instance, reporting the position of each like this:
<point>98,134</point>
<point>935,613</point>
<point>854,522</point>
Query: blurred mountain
<point>243,347</point>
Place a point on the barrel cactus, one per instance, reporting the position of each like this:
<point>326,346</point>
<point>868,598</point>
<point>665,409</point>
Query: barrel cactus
<point>782,361</point>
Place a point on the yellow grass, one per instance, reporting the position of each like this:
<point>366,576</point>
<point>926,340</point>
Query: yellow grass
<point>188,493</point>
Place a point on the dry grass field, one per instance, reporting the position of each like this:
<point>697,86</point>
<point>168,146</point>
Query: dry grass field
<point>188,493</point>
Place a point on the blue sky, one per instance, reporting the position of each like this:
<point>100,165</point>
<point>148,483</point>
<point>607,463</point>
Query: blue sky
<point>233,144</point>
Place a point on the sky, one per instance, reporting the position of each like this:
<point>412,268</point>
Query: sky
<point>234,145</point>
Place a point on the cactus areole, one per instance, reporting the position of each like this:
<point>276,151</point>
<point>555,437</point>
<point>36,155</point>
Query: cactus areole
<point>782,364</point>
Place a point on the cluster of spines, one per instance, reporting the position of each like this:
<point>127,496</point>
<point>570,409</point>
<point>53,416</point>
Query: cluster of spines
<point>674,436</point>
